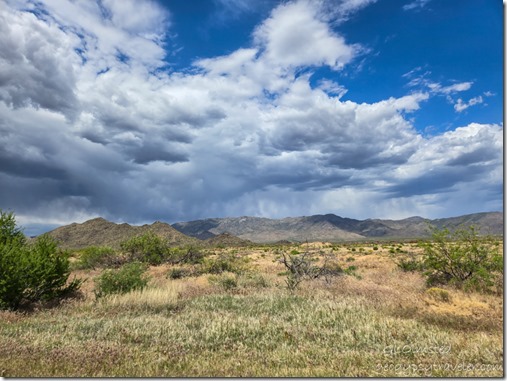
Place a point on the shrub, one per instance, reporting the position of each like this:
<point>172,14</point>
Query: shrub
<point>31,272</point>
<point>439,294</point>
<point>148,248</point>
<point>253,280</point>
<point>178,273</point>
<point>300,267</point>
<point>223,263</point>
<point>98,256</point>
<point>462,258</point>
<point>410,265</point>
<point>227,282</point>
<point>127,278</point>
<point>190,255</point>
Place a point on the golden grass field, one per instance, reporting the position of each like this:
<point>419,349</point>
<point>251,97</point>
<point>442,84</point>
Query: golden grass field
<point>382,322</point>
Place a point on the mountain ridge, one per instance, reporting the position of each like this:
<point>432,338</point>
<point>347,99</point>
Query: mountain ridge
<point>242,230</point>
<point>330,227</point>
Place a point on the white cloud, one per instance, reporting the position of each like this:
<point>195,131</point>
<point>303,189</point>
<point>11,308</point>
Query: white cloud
<point>415,4</point>
<point>294,35</point>
<point>460,106</point>
<point>237,134</point>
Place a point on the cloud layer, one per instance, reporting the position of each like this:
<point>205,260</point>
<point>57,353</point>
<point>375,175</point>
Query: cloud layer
<point>93,123</point>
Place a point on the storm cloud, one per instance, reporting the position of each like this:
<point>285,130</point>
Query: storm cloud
<point>92,125</point>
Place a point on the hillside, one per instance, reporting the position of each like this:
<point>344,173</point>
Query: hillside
<point>330,227</point>
<point>227,240</point>
<point>100,232</point>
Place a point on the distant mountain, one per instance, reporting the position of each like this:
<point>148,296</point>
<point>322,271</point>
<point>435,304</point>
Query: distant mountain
<point>330,227</point>
<point>227,240</point>
<point>100,232</point>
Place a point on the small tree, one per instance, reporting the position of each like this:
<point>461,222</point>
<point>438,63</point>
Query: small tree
<point>461,257</point>
<point>148,248</point>
<point>30,272</point>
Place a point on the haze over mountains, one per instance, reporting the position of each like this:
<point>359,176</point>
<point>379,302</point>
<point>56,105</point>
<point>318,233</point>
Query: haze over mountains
<point>240,230</point>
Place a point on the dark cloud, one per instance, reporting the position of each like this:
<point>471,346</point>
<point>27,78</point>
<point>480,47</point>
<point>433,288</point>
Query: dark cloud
<point>436,180</point>
<point>240,134</point>
<point>36,67</point>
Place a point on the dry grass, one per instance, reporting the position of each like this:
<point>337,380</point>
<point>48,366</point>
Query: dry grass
<point>384,324</point>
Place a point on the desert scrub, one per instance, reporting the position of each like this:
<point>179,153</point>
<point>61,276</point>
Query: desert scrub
<point>29,273</point>
<point>225,281</point>
<point>129,277</point>
<point>178,273</point>
<point>147,248</point>
<point>224,262</point>
<point>410,263</point>
<point>438,294</point>
<point>98,256</point>
<point>462,258</point>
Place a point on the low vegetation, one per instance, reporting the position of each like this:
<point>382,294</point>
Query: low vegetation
<point>222,312</point>
<point>31,272</point>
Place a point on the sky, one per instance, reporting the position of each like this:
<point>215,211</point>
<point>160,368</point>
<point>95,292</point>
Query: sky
<point>138,111</point>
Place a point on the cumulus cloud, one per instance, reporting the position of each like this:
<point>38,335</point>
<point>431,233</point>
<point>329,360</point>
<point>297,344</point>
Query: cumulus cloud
<point>91,125</point>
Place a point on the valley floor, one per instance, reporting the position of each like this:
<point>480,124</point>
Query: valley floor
<point>378,321</point>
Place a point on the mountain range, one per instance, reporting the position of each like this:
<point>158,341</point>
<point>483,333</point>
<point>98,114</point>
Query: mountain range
<point>330,227</point>
<point>241,231</point>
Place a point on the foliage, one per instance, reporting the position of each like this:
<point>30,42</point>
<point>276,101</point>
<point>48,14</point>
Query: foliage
<point>410,264</point>
<point>300,267</point>
<point>462,258</point>
<point>190,255</point>
<point>222,263</point>
<point>148,248</point>
<point>178,273</point>
<point>225,281</point>
<point>98,256</point>
<point>30,272</point>
<point>439,294</point>
<point>129,277</point>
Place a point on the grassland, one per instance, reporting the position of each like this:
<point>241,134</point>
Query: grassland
<point>378,322</point>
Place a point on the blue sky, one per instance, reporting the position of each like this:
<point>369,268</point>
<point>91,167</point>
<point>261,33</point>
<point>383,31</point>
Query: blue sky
<point>139,111</point>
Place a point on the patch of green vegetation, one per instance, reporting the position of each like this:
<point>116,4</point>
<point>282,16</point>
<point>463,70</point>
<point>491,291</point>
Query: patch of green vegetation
<point>29,273</point>
<point>129,277</point>
<point>98,256</point>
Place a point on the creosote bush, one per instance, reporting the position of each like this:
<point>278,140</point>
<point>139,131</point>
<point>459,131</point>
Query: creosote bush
<point>98,256</point>
<point>224,263</point>
<point>148,248</point>
<point>129,277</point>
<point>31,272</point>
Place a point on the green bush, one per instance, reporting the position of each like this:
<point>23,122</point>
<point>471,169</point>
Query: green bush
<point>129,277</point>
<point>98,256</point>
<point>147,248</point>
<point>31,272</point>
<point>223,263</point>
<point>189,255</point>
<point>462,258</point>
